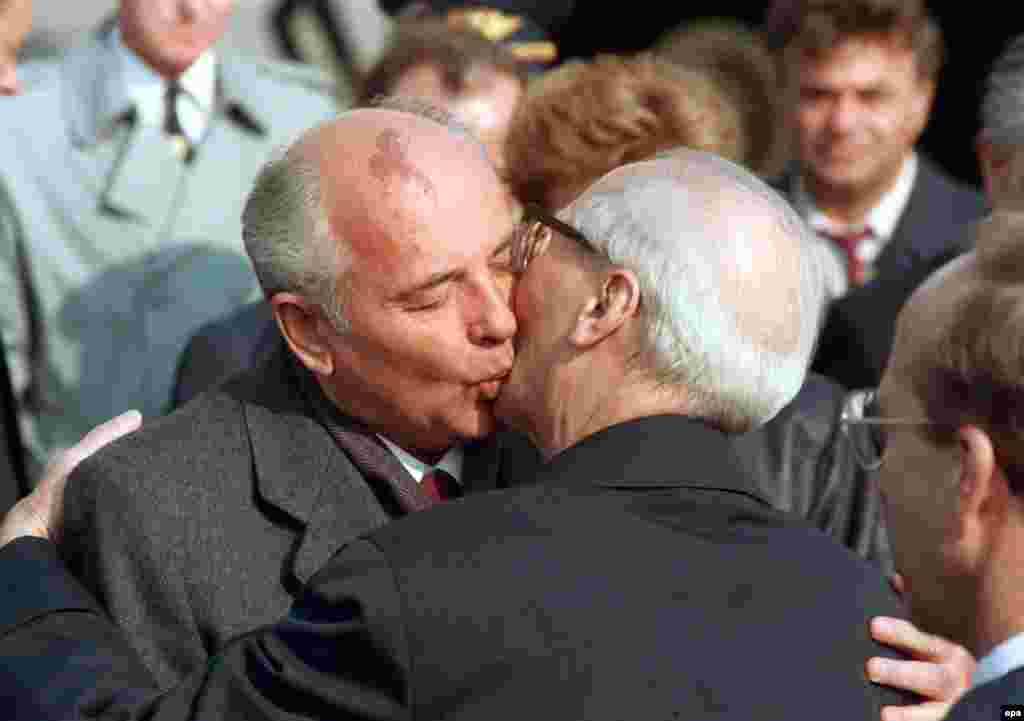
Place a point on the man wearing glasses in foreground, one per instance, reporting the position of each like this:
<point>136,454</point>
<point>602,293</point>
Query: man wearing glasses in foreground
<point>634,579</point>
<point>949,419</point>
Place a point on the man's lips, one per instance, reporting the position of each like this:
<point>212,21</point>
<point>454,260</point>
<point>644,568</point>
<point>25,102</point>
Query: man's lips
<point>490,388</point>
<point>842,154</point>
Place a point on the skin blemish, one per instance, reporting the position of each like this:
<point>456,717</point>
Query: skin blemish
<point>391,163</point>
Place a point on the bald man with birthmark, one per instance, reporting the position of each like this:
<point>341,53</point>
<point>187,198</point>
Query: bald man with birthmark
<point>633,579</point>
<point>456,69</point>
<point>382,242</point>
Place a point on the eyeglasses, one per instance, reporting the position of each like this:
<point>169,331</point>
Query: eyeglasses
<point>533,235</point>
<point>861,423</point>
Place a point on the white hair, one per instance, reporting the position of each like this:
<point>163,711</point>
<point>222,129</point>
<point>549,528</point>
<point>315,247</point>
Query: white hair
<point>1002,116</point>
<point>671,229</point>
<point>1002,108</point>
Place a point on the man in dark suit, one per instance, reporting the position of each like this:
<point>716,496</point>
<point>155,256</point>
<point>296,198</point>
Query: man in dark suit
<point>237,342</point>
<point>865,73</point>
<point>599,591</point>
<point>858,334</point>
<point>206,522</point>
<point>947,418</point>
<point>800,460</point>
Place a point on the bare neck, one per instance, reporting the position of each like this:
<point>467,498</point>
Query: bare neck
<point>1000,601</point>
<point>585,401</point>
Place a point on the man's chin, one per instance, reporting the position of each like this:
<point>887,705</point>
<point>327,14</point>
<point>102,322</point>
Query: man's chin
<point>480,424</point>
<point>845,175</point>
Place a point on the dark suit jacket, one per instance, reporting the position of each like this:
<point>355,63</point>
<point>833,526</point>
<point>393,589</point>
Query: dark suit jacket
<point>938,207</point>
<point>237,342</point>
<point>931,225</point>
<point>803,463</point>
<point>634,581</point>
<point>204,523</point>
<point>983,703</point>
<point>800,459</point>
<point>860,327</point>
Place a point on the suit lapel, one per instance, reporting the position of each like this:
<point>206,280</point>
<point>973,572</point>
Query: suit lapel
<point>300,470</point>
<point>98,141</point>
<point>131,173</point>
<point>132,169</point>
<point>146,179</point>
<point>235,145</point>
<point>923,230</point>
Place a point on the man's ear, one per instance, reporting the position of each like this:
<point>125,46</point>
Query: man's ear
<point>993,164</point>
<point>983,493</point>
<point>616,301</point>
<point>305,330</point>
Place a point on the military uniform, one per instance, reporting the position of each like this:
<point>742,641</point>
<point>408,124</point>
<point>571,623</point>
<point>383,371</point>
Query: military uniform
<point>523,27</point>
<point>115,247</point>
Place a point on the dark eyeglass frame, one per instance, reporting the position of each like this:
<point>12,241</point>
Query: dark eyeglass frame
<point>529,240</point>
<point>860,408</point>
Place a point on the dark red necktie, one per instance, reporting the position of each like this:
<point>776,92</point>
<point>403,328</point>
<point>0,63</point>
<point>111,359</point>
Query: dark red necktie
<point>440,485</point>
<point>850,244</point>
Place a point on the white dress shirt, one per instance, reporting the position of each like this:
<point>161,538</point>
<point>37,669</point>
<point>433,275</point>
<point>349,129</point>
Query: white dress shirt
<point>141,87</point>
<point>1007,656</point>
<point>880,220</point>
<point>451,462</point>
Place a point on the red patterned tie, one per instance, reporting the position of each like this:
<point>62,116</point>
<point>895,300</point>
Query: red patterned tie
<point>850,244</point>
<point>440,485</point>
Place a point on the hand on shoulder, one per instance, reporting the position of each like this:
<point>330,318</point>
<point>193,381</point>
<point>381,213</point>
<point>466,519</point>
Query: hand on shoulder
<point>40,513</point>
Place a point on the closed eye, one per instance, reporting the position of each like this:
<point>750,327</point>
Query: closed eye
<point>429,305</point>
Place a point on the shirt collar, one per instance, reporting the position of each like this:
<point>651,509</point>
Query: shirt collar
<point>881,219</point>
<point>1006,657</point>
<point>135,84</point>
<point>451,462</point>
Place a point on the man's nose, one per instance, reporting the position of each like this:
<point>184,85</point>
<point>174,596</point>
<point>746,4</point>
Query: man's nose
<point>495,323</point>
<point>9,79</point>
<point>843,117</point>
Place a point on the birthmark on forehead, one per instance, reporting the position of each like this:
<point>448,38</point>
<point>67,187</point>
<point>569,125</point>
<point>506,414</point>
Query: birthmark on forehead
<point>391,163</point>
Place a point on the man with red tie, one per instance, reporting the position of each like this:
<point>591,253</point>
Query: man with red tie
<point>395,332</point>
<point>865,76</point>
